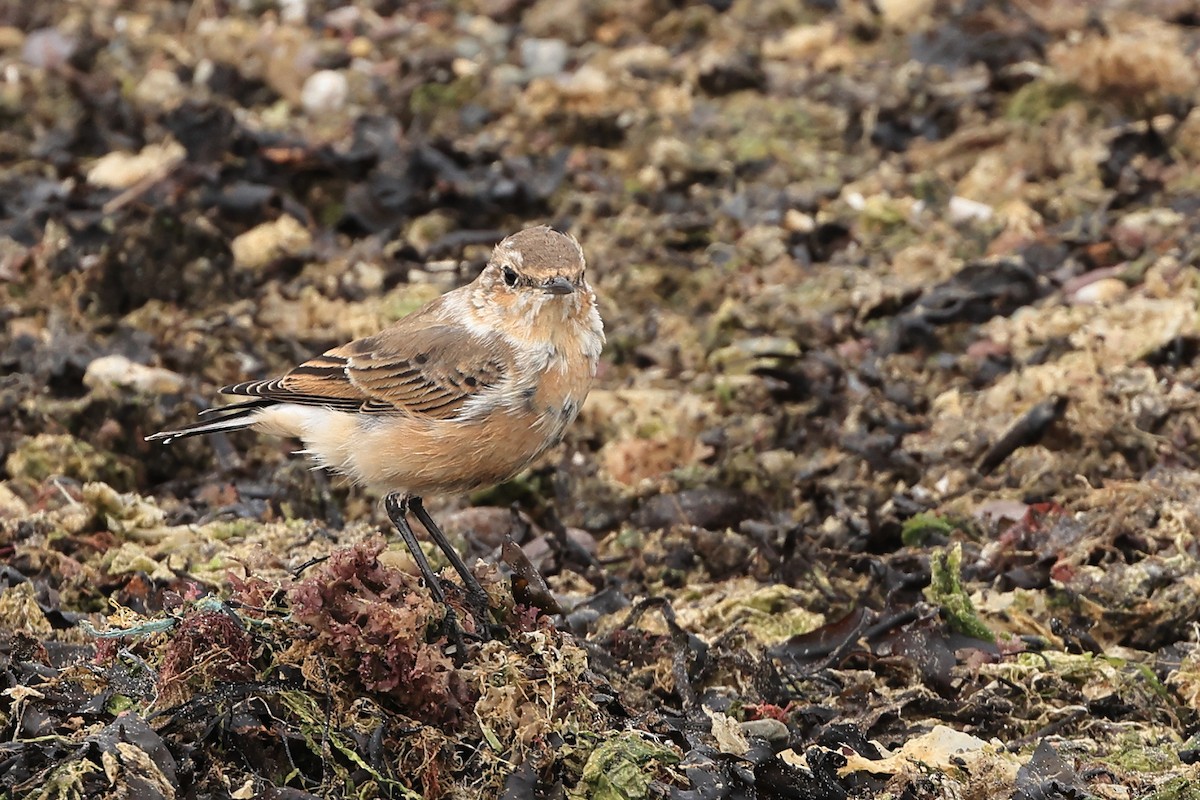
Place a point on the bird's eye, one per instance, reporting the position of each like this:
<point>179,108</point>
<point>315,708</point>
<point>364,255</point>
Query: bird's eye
<point>510,276</point>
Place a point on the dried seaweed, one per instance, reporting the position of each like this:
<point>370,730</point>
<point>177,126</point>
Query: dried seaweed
<point>887,484</point>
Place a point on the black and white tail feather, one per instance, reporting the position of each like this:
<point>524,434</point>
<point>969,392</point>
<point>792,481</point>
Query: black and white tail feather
<point>224,418</point>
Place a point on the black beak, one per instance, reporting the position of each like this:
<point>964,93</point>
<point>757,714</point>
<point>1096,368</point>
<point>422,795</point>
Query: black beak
<point>559,285</point>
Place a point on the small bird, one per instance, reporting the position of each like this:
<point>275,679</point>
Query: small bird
<point>459,395</point>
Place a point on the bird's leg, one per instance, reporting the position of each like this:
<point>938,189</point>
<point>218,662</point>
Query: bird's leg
<point>480,605</point>
<point>397,506</point>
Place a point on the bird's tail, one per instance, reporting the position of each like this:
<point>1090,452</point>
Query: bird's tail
<point>227,418</point>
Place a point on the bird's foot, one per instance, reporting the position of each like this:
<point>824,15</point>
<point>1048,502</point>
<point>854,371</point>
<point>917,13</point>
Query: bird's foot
<point>481,613</point>
<point>456,637</point>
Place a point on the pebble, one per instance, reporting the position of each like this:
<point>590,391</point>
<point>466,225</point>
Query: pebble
<point>543,58</point>
<point>488,31</point>
<point>11,504</point>
<point>360,47</point>
<point>962,209</point>
<point>11,38</point>
<point>362,279</point>
<point>585,82</point>
<point>904,15</point>
<point>567,19</point>
<point>505,75</point>
<point>324,92</point>
<point>120,170</point>
<point>770,729</point>
<point>264,244</point>
<point>159,89</point>
<point>294,12</point>
<point>797,221</point>
<point>117,370</point>
<point>642,57</point>
<point>745,353</point>
<point>1099,292</point>
<point>47,48</point>
<point>802,43</point>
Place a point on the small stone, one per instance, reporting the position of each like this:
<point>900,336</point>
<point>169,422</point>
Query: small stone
<point>159,89</point>
<point>1146,228</point>
<point>802,43</point>
<point>744,354</point>
<point>770,729</point>
<point>582,539</point>
<point>505,75</point>
<point>117,370</point>
<point>778,462</point>
<point>360,47</point>
<point>712,509</point>
<point>797,221</point>
<point>723,69</point>
<point>11,505</point>
<point>293,11</point>
<point>585,82</point>
<point>204,72</point>
<point>671,152</point>
<point>11,38</point>
<point>344,19</point>
<point>904,15</point>
<point>1186,137</point>
<point>487,525</point>
<point>462,67</point>
<point>544,57</point>
<point>265,244</point>
<point>567,19</point>
<point>1099,292</point>
<point>366,277</point>
<point>488,30</point>
<point>324,92</point>
<point>120,170</point>
<point>962,209</point>
<point>642,57</point>
<point>763,243</point>
<point>47,48</point>
<point>427,229</point>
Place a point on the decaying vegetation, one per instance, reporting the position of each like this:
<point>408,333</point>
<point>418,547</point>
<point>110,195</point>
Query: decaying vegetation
<point>887,487</point>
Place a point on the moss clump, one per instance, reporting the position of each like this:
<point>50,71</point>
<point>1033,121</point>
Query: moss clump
<point>68,781</point>
<point>405,299</point>
<point>623,768</point>
<point>19,610</point>
<point>946,591</point>
<point>429,99</point>
<point>919,529</point>
<point>1035,102</point>
<point>1181,788</point>
<point>49,454</point>
<point>769,614</point>
<point>1137,756</point>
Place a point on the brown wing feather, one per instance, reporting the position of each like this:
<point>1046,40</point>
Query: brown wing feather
<point>431,371</point>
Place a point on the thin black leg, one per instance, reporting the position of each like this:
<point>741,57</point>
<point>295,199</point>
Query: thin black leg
<point>397,506</point>
<point>478,597</point>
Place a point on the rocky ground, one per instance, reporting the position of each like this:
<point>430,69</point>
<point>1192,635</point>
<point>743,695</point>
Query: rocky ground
<point>887,486</point>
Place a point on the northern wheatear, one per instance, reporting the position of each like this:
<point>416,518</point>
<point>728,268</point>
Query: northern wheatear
<point>459,395</point>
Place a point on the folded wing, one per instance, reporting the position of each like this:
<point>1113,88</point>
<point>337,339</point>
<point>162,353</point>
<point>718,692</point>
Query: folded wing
<point>431,371</point>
